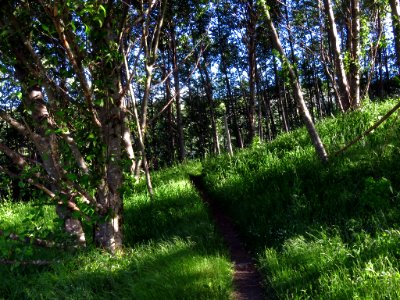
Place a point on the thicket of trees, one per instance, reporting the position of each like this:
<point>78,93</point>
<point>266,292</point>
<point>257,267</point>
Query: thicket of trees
<point>92,91</point>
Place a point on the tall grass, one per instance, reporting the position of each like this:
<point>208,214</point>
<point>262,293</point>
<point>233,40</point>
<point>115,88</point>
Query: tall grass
<point>171,252</point>
<point>321,232</point>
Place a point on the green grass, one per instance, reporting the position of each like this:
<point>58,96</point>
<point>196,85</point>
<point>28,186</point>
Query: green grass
<point>320,232</point>
<point>171,251</point>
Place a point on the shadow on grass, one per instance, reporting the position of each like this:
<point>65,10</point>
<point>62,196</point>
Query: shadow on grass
<point>171,252</point>
<point>297,215</point>
<point>177,213</point>
<point>271,205</point>
<point>168,270</point>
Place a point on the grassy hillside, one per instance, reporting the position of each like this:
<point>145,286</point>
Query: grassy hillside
<point>320,232</point>
<point>171,251</point>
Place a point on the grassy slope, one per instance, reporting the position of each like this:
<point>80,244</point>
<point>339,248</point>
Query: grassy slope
<point>320,232</point>
<point>171,252</point>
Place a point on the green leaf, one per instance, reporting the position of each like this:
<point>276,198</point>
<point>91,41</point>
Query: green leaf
<point>99,102</point>
<point>71,177</point>
<point>45,27</point>
<point>60,113</point>
<point>73,26</point>
<point>87,29</point>
<point>103,10</point>
<point>100,22</point>
<point>49,131</point>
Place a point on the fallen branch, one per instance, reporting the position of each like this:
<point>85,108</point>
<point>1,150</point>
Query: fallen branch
<point>369,130</point>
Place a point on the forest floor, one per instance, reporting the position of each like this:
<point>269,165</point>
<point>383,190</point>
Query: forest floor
<point>247,280</point>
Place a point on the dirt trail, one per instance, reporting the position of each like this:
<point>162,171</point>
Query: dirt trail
<point>246,279</point>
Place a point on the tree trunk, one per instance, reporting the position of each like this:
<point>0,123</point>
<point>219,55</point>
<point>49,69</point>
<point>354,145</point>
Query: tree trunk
<point>140,132</point>
<point>298,95</point>
<point>108,230</point>
<point>127,139</point>
<point>375,50</point>
<point>232,111</point>
<point>327,60</point>
<point>170,115</point>
<point>270,117</point>
<point>209,94</point>
<point>344,89</point>
<point>251,48</point>
<point>179,124</point>
<point>355,54</point>
<point>395,7</point>
<point>228,136</point>
<point>231,104</point>
<point>47,147</point>
<point>282,109</point>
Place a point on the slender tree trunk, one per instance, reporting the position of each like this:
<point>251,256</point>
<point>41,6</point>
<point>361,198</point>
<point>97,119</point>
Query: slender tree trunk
<point>395,7</point>
<point>259,108</point>
<point>269,115</point>
<point>319,97</point>
<point>127,138</point>
<point>251,48</point>
<point>290,36</point>
<point>179,122</point>
<point>344,89</point>
<point>375,50</point>
<point>140,132</point>
<point>380,74</point>
<point>355,54</point>
<point>283,114</point>
<point>298,95</point>
<point>233,113</point>
<point>228,136</point>
<point>209,94</point>
<point>170,115</point>
<point>231,105</point>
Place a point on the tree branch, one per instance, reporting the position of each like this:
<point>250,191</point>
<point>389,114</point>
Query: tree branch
<point>369,130</point>
<point>59,25</point>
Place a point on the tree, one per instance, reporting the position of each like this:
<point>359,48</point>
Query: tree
<point>78,129</point>
<point>395,7</point>
<point>343,85</point>
<point>251,20</point>
<point>298,94</point>
<point>355,49</point>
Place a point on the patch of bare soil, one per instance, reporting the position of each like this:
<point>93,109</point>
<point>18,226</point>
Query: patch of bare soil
<point>246,279</point>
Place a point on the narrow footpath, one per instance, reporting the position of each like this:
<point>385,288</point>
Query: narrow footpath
<point>246,278</point>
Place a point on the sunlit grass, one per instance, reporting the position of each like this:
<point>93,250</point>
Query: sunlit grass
<point>320,232</point>
<point>325,267</point>
<point>171,269</point>
<point>171,251</point>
